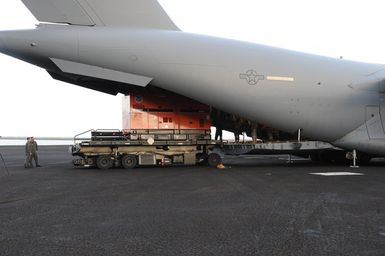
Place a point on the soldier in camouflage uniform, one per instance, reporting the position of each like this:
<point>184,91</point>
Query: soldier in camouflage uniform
<point>34,151</point>
<point>31,150</point>
<point>28,160</point>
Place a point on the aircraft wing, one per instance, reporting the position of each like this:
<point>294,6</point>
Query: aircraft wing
<point>130,13</point>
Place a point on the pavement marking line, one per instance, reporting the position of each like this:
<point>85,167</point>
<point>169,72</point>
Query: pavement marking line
<point>382,234</point>
<point>337,173</point>
<point>311,232</point>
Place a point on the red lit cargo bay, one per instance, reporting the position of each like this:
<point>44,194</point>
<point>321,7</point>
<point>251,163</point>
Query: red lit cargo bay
<point>158,109</point>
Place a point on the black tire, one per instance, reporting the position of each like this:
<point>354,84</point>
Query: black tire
<point>315,157</point>
<point>201,158</point>
<point>333,157</point>
<point>364,159</point>
<point>129,161</point>
<point>214,159</point>
<point>104,162</point>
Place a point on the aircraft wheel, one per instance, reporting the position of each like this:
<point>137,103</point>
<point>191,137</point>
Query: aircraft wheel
<point>214,159</point>
<point>364,159</point>
<point>315,157</point>
<point>104,162</point>
<point>334,157</point>
<point>129,161</point>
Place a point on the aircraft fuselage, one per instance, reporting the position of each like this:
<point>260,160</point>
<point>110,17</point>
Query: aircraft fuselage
<point>328,99</point>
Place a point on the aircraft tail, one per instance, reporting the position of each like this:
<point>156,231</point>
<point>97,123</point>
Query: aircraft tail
<point>128,13</point>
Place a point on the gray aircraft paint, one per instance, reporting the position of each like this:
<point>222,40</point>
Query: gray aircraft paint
<point>331,100</point>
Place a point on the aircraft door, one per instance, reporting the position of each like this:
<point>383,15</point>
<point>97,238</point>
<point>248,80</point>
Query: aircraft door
<point>382,109</point>
<point>373,123</point>
<point>381,91</point>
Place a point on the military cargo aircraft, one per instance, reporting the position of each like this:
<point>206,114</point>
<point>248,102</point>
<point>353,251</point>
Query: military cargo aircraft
<point>112,46</point>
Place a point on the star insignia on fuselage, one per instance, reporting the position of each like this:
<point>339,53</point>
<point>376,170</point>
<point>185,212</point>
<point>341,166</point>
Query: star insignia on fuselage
<point>251,77</point>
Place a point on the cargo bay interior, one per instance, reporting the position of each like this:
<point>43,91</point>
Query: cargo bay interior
<point>153,108</point>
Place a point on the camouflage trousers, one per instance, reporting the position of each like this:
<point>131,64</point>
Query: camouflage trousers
<point>28,161</point>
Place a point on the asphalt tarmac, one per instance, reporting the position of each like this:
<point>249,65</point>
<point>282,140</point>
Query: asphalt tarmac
<point>258,205</point>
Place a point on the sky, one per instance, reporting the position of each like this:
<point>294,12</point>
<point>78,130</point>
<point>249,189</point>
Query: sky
<point>33,104</point>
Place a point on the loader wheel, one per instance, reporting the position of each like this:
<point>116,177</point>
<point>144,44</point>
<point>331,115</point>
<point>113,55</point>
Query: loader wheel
<point>129,161</point>
<point>104,162</point>
<point>214,159</point>
<point>201,158</point>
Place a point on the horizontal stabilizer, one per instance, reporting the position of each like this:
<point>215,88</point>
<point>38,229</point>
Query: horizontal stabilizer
<point>102,73</point>
<point>126,13</point>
